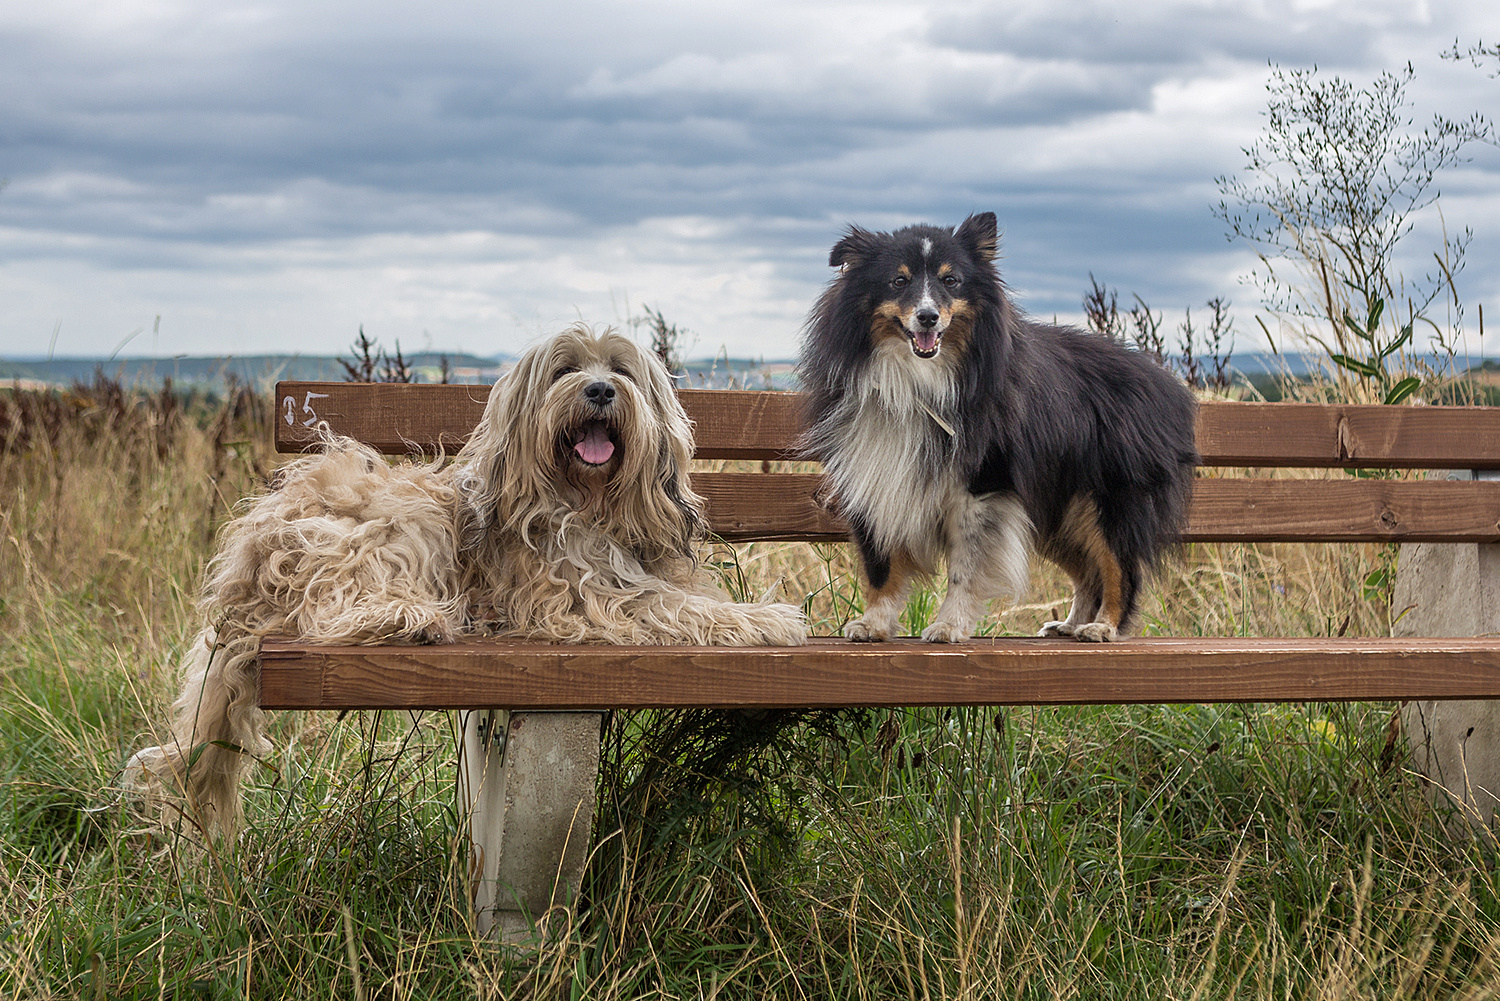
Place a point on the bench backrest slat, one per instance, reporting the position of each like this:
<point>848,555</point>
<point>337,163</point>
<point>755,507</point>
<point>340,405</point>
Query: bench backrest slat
<point>748,507</point>
<point>740,424</point>
<point>734,424</point>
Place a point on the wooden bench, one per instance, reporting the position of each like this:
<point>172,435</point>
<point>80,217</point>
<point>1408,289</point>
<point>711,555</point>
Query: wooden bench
<point>499,678</point>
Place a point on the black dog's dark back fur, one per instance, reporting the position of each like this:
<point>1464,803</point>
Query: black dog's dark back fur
<point>1045,412</point>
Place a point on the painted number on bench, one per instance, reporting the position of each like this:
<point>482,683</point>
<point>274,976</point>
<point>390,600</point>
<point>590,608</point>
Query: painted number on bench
<point>307,408</point>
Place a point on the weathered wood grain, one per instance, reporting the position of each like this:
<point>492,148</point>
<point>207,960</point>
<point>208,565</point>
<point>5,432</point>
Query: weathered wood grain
<point>746,507</point>
<point>393,418</point>
<point>739,424</point>
<point>901,673</point>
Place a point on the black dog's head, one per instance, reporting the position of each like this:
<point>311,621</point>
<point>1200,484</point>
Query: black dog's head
<point>922,283</point>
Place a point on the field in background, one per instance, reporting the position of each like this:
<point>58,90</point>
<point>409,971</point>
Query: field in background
<point>1107,852</point>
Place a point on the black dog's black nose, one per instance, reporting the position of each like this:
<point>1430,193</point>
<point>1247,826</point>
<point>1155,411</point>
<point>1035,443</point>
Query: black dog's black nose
<point>599,393</point>
<point>927,317</point>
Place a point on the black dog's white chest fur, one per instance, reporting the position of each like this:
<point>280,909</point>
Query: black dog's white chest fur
<point>891,455</point>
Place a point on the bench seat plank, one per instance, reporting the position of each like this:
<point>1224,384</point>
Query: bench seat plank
<point>828,672</point>
<point>745,507</point>
<point>744,424</point>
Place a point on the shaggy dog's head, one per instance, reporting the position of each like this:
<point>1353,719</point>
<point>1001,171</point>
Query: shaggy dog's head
<point>586,424</point>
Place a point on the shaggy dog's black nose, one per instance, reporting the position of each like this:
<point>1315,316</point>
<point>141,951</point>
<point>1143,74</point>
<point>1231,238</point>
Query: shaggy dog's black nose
<point>927,317</point>
<point>600,394</point>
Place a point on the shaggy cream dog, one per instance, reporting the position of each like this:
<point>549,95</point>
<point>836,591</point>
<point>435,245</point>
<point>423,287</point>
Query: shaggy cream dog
<point>567,517</point>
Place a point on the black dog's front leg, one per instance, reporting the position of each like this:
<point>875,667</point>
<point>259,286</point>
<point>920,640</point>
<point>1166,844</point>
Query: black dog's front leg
<point>887,579</point>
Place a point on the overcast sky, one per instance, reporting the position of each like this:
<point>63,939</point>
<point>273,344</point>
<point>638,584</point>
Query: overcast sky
<point>268,176</point>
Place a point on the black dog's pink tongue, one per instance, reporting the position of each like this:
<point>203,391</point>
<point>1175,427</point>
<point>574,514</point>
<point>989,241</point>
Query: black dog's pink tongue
<point>925,341</point>
<point>595,447</point>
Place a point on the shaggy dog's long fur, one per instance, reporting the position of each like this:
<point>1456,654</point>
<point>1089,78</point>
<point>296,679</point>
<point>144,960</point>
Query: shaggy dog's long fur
<point>567,517</point>
<point>955,431</point>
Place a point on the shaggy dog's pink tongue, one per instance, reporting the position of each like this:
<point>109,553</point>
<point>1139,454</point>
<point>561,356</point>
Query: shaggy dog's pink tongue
<point>594,447</point>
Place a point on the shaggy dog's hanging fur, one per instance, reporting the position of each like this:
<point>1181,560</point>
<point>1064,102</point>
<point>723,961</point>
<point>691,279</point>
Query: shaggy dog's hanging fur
<point>567,517</point>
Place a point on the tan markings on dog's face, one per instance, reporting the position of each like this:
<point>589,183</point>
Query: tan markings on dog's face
<point>893,319</point>
<point>887,320</point>
<point>944,270</point>
<point>957,321</point>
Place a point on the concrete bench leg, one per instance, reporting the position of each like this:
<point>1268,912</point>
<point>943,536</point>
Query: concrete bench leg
<point>527,781</point>
<point>1453,589</point>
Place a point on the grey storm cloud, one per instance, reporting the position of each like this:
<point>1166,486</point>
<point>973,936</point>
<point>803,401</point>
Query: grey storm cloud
<point>435,116</point>
<point>624,145</point>
<point>1175,34</point>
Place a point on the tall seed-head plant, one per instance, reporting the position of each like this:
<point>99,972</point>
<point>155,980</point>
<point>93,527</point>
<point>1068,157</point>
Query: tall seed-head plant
<point>1479,54</point>
<point>668,341</point>
<point>368,362</point>
<point>1328,193</point>
<point>1203,362</point>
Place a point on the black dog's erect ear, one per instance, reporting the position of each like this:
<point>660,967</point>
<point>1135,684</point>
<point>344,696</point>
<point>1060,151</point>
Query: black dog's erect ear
<point>852,249</point>
<point>978,233</point>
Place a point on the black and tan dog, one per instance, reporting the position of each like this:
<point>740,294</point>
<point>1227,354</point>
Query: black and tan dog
<point>953,430</point>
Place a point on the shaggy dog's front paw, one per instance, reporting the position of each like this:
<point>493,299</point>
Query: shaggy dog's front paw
<point>861,631</point>
<point>437,632</point>
<point>944,632</point>
<point>1057,629</point>
<point>1097,632</point>
<point>782,625</point>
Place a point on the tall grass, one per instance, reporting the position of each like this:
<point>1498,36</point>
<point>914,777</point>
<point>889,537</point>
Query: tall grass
<point>1105,852</point>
